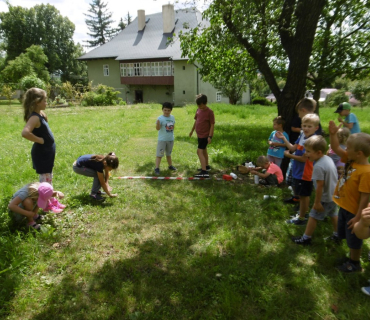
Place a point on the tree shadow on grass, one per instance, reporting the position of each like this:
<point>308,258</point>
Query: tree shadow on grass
<point>204,266</point>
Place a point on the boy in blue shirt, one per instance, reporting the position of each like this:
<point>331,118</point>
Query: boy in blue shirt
<point>165,125</point>
<point>350,121</point>
<point>275,152</point>
<point>302,168</point>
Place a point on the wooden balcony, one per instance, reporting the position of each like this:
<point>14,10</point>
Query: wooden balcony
<point>149,80</point>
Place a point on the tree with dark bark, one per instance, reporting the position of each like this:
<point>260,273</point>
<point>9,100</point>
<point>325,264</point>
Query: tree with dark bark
<point>99,23</point>
<point>276,35</point>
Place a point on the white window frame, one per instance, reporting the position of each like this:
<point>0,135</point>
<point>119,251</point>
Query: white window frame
<point>146,69</point>
<point>127,69</point>
<point>218,96</point>
<point>106,70</point>
<point>157,68</point>
<point>167,68</point>
<point>138,71</point>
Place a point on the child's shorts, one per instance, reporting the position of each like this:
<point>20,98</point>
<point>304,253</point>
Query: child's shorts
<point>344,233</point>
<point>330,210</point>
<point>202,143</point>
<point>164,147</point>
<point>302,187</point>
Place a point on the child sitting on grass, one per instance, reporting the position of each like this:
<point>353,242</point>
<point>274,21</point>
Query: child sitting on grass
<point>352,191</point>
<point>343,134</point>
<point>325,179</point>
<point>272,174</point>
<point>26,202</point>
<point>275,152</point>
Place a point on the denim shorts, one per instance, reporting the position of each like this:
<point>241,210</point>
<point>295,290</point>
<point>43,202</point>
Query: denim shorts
<point>344,233</point>
<point>330,210</point>
<point>302,187</point>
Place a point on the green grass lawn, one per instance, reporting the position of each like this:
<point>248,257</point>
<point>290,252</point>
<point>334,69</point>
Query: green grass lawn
<point>165,249</point>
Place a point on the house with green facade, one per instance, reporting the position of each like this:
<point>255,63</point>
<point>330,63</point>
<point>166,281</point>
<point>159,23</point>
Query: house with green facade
<point>145,66</point>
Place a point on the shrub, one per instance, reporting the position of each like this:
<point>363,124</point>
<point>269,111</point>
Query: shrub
<point>101,96</point>
<point>28,82</point>
<point>8,92</point>
<point>261,100</point>
<point>335,98</point>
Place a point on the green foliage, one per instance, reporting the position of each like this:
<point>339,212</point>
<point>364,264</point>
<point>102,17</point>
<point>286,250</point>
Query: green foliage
<point>32,81</point>
<point>361,90</point>
<point>101,96</point>
<point>32,62</point>
<point>41,25</point>
<point>8,92</point>
<point>261,100</point>
<point>99,23</point>
<point>335,98</point>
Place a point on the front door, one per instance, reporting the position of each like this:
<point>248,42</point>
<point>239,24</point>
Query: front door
<point>138,96</point>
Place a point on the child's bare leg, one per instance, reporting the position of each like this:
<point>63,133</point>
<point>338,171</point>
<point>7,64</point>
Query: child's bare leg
<point>205,155</point>
<point>28,205</point>
<point>355,254</point>
<point>169,160</point>
<point>311,226</point>
<point>303,206</point>
<point>202,159</point>
<point>158,161</point>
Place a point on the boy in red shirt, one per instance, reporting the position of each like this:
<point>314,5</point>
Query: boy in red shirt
<point>273,174</point>
<point>204,125</point>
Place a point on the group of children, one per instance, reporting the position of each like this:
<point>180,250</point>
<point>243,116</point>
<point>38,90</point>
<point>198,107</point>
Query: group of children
<point>311,165</point>
<point>25,203</point>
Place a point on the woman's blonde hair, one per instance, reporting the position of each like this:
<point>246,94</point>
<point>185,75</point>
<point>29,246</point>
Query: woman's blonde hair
<point>32,97</point>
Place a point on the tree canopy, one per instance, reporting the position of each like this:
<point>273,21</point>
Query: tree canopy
<point>41,25</point>
<point>294,40</point>
<point>99,23</point>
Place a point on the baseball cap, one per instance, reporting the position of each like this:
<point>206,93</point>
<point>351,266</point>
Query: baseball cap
<point>45,193</point>
<point>343,106</point>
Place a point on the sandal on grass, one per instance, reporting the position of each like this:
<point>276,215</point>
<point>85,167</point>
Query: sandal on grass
<point>38,217</point>
<point>34,225</point>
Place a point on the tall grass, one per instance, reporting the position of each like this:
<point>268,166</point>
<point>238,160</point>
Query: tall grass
<point>165,249</point>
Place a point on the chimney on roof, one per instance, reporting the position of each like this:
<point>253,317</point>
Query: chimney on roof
<point>168,15</point>
<point>140,20</point>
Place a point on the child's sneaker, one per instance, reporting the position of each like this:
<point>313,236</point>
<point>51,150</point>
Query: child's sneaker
<point>97,197</point>
<point>302,241</point>
<point>172,168</point>
<point>366,290</point>
<point>297,221</point>
<point>56,203</point>
<point>156,171</point>
<point>334,238</point>
<point>293,200</point>
<point>208,168</point>
<point>349,267</point>
<point>202,174</point>
<point>53,209</point>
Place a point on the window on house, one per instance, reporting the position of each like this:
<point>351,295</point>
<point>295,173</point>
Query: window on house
<point>106,70</point>
<point>218,96</point>
<point>167,68</point>
<point>157,68</point>
<point>138,69</point>
<point>146,68</point>
<point>127,69</point>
